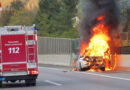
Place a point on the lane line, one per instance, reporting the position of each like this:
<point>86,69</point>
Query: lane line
<point>107,76</point>
<point>54,83</point>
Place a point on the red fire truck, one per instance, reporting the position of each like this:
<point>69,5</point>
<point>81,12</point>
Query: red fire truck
<point>18,54</point>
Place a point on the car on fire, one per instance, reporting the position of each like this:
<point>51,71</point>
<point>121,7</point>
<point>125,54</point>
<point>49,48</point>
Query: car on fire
<point>90,62</point>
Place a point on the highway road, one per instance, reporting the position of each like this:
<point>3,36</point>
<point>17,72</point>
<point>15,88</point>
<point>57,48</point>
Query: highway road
<point>60,79</point>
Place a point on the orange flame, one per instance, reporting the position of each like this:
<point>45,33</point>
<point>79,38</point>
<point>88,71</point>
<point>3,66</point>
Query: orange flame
<point>100,18</point>
<point>99,44</point>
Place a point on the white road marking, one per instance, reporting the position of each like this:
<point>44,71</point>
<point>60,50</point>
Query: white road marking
<point>107,76</point>
<point>54,83</point>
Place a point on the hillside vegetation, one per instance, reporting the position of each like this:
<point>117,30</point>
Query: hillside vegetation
<point>53,18</point>
<point>29,4</point>
<point>18,12</point>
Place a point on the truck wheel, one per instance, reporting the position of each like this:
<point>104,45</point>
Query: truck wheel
<point>27,82</point>
<point>0,83</point>
<point>13,81</point>
<point>30,82</point>
<point>33,82</point>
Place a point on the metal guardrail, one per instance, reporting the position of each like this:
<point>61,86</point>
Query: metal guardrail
<point>125,42</point>
<point>47,45</point>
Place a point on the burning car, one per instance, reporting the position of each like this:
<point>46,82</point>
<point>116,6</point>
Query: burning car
<point>96,54</point>
<point>88,62</point>
<point>84,63</point>
<point>98,27</point>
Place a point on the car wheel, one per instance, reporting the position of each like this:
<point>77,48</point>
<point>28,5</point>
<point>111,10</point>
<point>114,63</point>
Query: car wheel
<point>80,68</point>
<point>102,68</point>
<point>88,68</point>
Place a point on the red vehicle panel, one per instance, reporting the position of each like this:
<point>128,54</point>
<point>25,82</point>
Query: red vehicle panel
<point>14,52</point>
<point>13,48</point>
<point>14,67</point>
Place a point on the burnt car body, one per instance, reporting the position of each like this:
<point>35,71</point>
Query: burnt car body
<point>90,62</point>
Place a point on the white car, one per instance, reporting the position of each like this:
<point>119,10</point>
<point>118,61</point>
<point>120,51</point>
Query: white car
<point>88,62</point>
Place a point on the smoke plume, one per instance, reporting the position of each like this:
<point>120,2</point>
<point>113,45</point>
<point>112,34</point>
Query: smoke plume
<point>91,10</point>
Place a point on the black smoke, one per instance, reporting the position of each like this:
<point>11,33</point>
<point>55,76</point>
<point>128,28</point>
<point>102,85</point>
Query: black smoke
<point>91,10</point>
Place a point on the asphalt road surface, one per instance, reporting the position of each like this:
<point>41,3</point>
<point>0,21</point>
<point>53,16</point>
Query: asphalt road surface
<point>60,79</point>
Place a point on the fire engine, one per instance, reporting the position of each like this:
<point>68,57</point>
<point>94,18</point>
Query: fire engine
<point>18,54</point>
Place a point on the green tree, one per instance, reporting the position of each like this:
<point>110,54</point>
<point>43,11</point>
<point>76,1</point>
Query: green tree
<point>22,17</point>
<point>5,18</point>
<point>55,18</point>
<point>46,17</point>
<point>17,5</point>
<point>70,14</point>
<point>8,14</point>
<point>42,24</point>
<point>125,11</point>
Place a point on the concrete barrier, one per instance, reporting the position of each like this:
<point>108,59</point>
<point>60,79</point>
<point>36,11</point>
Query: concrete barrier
<point>124,62</point>
<point>64,60</point>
